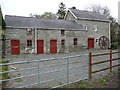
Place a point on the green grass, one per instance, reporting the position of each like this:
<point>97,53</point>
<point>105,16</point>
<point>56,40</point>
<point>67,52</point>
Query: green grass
<point>82,86</point>
<point>83,82</point>
<point>4,75</point>
<point>101,81</point>
<point>18,80</point>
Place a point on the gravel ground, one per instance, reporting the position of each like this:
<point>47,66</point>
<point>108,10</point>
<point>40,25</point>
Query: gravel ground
<point>110,80</point>
<point>29,57</point>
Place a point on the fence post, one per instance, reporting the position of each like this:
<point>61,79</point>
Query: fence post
<point>110,61</point>
<point>67,71</point>
<point>38,76</point>
<point>90,65</point>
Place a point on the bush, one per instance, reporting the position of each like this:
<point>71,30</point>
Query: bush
<point>114,45</point>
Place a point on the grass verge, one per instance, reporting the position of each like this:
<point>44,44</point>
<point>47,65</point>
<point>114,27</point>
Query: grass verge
<point>111,80</point>
<point>4,76</point>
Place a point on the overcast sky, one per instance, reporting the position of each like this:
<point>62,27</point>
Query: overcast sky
<point>25,7</point>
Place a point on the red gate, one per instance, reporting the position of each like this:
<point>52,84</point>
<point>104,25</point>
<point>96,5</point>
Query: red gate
<point>53,46</point>
<point>40,46</point>
<point>90,42</point>
<point>15,47</point>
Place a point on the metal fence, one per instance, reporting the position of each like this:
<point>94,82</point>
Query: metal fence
<point>56,72</point>
<point>47,73</point>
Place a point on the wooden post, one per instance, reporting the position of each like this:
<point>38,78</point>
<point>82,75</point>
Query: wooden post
<point>90,65</point>
<point>110,61</point>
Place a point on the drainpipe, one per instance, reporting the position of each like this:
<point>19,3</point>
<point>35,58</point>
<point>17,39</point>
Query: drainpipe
<point>35,41</point>
<point>109,36</point>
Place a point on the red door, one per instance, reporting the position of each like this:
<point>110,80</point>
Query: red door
<point>90,42</point>
<point>15,47</point>
<point>53,46</point>
<point>40,46</point>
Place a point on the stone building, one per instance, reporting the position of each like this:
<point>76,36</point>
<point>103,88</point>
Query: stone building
<point>95,24</point>
<point>79,29</point>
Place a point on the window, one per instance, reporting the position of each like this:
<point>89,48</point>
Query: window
<point>63,43</point>
<point>97,41</point>
<point>95,28</point>
<point>75,42</point>
<point>85,27</point>
<point>29,31</point>
<point>62,32</point>
<point>29,43</point>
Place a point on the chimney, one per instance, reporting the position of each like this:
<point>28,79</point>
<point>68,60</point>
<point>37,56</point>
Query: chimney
<point>73,7</point>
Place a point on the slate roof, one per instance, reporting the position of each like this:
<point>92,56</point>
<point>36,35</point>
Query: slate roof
<point>30,22</point>
<point>88,15</point>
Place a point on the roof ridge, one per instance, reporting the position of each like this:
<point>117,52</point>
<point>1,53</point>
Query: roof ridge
<point>19,16</point>
<point>88,15</point>
<point>85,11</point>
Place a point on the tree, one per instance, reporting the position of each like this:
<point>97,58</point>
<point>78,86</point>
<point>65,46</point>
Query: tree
<point>99,9</point>
<point>113,28</point>
<point>61,11</point>
<point>34,15</point>
<point>2,21</point>
<point>46,15</point>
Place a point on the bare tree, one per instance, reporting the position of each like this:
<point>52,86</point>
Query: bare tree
<point>34,15</point>
<point>99,9</point>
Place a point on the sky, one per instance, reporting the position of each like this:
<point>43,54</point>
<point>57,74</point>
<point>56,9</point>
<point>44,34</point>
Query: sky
<point>25,7</point>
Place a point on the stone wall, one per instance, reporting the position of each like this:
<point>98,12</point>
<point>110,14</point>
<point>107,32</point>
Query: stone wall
<point>45,35</point>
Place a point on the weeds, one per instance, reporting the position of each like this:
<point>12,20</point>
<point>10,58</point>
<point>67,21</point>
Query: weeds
<point>82,86</point>
<point>18,80</point>
<point>101,81</point>
<point>83,82</point>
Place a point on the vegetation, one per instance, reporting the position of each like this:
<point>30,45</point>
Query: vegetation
<point>2,69</point>
<point>61,11</point>
<point>46,15</point>
<point>104,10</point>
<point>110,80</point>
<point>2,21</point>
<point>49,15</point>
